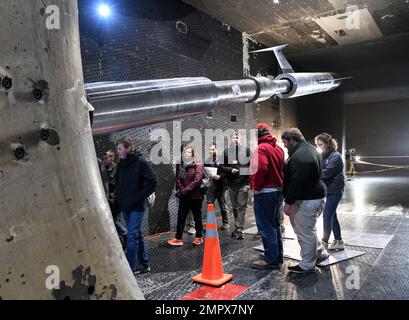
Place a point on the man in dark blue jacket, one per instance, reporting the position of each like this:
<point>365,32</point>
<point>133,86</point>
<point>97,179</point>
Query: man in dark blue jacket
<point>135,182</point>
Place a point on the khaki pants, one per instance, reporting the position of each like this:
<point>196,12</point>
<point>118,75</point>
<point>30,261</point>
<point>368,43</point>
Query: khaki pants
<point>303,221</point>
<point>239,197</point>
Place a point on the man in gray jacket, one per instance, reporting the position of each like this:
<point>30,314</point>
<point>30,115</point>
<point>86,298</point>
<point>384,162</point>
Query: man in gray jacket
<point>235,170</point>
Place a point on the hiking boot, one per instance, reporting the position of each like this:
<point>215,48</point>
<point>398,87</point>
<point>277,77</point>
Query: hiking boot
<point>225,226</point>
<point>175,242</point>
<point>298,269</point>
<point>262,265</point>
<point>143,269</point>
<point>234,234</point>
<point>238,234</point>
<point>197,241</point>
<point>262,257</point>
<point>337,245</point>
<point>191,231</point>
<point>321,259</point>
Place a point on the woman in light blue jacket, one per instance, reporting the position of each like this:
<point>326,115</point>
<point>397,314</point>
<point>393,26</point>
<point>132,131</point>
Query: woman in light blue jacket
<point>333,177</point>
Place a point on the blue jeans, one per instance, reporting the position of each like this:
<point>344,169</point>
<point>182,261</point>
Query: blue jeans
<point>119,227</point>
<point>267,212</point>
<point>330,217</point>
<point>135,245</point>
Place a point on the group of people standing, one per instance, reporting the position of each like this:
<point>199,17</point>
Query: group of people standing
<point>128,184</point>
<point>228,177</point>
<point>309,182</point>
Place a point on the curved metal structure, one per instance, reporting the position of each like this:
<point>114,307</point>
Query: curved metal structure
<point>56,229</point>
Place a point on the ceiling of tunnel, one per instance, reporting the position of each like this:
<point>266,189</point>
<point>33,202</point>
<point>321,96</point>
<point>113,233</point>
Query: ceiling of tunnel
<point>310,24</point>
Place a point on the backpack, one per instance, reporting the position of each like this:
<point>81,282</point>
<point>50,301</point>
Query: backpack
<point>205,183</point>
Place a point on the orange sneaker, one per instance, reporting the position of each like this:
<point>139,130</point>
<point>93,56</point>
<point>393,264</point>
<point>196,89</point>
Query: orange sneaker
<point>197,241</point>
<point>175,242</point>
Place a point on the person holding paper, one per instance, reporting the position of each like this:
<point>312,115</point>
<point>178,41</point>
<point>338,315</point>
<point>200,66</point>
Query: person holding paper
<point>219,188</point>
<point>236,162</point>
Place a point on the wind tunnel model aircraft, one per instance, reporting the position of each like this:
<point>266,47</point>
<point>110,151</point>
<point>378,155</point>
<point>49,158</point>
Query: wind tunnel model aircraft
<point>124,105</point>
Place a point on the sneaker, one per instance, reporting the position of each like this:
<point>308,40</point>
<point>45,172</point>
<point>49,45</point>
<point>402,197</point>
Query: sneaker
<point>325,244</point>
<point>321,259</point>
<point>337,245</point>
<point>298,269</point>
<point>144,269</point>
<point>191,231</point>
<point>197,241</point>
<point>262,265</point>
<point>225,226</point>
<point>175,242</point>
<point>262,257</point>
<point>238,234</point>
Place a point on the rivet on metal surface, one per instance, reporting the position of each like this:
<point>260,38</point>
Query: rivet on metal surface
<point>7,83</point>
<point>19,153</point>
<point>181,27</point>
<point>37,94</point>
<point>44,134</point>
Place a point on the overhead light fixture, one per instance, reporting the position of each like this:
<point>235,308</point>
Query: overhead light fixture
<point>104,11</point>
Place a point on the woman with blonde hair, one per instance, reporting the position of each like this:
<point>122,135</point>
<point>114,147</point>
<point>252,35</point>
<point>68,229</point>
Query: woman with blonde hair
<point>333,177</point>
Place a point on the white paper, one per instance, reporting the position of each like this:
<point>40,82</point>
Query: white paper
<point>211,171</point>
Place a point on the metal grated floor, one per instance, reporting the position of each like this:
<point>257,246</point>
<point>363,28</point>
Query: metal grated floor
<point>382,273</point>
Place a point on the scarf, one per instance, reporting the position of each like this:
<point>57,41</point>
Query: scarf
<point>184,167</point>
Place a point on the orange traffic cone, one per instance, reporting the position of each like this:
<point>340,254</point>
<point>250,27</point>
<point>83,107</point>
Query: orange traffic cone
<point>212,270</point>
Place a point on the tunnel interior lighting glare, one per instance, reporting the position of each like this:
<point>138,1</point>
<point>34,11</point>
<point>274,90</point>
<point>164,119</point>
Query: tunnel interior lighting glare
<point>358,158</point>
<point>104,10</point>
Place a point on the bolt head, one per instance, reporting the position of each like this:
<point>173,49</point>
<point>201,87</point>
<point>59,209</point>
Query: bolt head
<point>37,94</point>
<point>7,83</point>
<point>19,153</point>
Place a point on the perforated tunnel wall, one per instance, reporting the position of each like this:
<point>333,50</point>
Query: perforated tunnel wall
<point>161,39</point>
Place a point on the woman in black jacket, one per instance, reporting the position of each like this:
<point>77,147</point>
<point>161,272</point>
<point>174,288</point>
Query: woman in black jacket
<point>333,177</point>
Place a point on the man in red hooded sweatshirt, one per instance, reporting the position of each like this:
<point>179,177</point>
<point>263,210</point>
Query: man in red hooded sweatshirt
<point>266,182</point>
